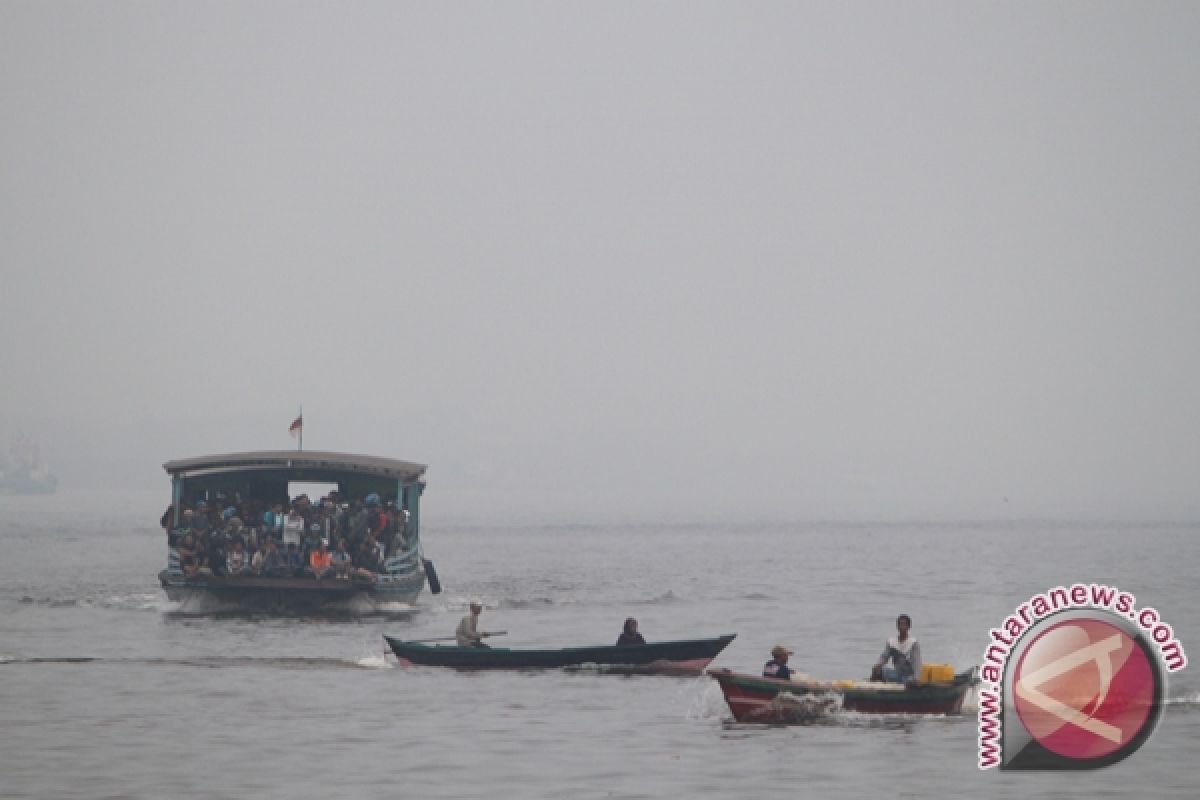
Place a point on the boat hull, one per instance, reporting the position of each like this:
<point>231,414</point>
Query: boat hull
<point>689,656</point>
<point>756,699</point>
<point>253,594</point>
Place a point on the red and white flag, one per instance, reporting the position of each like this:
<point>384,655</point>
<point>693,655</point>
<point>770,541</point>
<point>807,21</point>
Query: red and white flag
<point>297,426</point>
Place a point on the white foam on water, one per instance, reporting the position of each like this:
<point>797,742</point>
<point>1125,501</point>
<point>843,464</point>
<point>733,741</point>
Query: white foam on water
<point>1185,699</point>
<point>161,604</point>
<point>970,703</point>
<point>378,661</point>
<point>394,607</point>
<point>706,701</point>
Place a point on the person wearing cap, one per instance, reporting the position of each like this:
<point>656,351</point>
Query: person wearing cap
<point>777,667</point>
<point>468,633</point>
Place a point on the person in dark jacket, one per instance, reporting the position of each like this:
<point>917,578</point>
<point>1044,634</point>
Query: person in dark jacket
<point>630,634</point>
<point>777,667</point>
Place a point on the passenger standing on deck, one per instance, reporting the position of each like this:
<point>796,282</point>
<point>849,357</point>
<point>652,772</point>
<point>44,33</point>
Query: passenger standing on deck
<point>272,522</point>
<point>630,634</point>
<point>777,667</point>
<point>468,634</point>
<point>904,653</point>
<point>293,528</point>
<point>358,525</point>
<point>200,523</point>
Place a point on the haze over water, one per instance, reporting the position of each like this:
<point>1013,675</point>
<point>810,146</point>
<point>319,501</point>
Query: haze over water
<point>682,259</point>
<point>722,315</point>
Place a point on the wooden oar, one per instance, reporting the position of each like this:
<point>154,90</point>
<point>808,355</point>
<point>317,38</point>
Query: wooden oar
<point>453,638</point>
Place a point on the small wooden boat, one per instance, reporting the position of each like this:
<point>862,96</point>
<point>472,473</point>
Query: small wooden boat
<point>688,656</point>
<point>755,699</point>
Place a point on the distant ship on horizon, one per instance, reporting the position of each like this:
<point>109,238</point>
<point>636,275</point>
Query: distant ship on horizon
<point>24,472</point>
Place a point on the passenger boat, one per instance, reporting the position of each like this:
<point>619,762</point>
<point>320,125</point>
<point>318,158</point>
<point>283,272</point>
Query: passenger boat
<point>261,479</point>
<point>689,656</point>
<point>756,699</point>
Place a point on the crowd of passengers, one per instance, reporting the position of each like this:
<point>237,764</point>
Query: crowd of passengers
<point>326,539</point>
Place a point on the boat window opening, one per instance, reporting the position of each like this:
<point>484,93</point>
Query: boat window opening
<point>314,490</point>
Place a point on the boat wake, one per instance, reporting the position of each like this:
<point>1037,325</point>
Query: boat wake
<point>374,662</point>
<point>128,601</point>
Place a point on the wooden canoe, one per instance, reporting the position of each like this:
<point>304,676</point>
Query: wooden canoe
<point>689,656</point>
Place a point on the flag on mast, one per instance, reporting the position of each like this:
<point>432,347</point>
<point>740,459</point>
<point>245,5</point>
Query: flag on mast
<point>296,429</point>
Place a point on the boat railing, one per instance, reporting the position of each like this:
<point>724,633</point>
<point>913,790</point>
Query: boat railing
<point>399,565</point>
<point>404,561</point>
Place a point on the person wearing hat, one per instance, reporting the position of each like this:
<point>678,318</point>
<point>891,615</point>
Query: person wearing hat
<point>777,667</point>
<point>468,633</point>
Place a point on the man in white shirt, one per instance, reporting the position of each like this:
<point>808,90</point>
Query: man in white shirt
<point>468,634</point>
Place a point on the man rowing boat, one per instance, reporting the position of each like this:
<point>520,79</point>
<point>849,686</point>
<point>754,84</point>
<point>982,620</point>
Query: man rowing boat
<point>468,633</point>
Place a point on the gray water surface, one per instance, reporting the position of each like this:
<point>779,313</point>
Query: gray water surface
<point>105,692</point>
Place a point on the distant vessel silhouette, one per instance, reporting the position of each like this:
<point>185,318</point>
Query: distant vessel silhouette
<point>24,472</point>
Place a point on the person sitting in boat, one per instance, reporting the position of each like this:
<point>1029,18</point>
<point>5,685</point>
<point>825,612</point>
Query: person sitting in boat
<point>216,553</point>
<point>403,525</point>
<point>269,561</point>
<point>320,561</point>
<point>777,667</point>
<point>630,634</point>
<point>235,561</point>
<point>468,634</point>
<point>377,521</point>
<point>341,563</point>
<point>200,522</point>
<point>188,560</point>
<point>366,560</point>
<point>293,561</point>
<point>203,566</point>
<point>167,521</point>
<point>903,652</point>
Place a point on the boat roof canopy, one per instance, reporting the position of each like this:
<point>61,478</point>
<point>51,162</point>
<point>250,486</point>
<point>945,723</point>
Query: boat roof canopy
<point>306,464</point>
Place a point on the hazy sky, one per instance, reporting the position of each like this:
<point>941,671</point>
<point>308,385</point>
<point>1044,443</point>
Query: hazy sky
<point>676,258</point>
